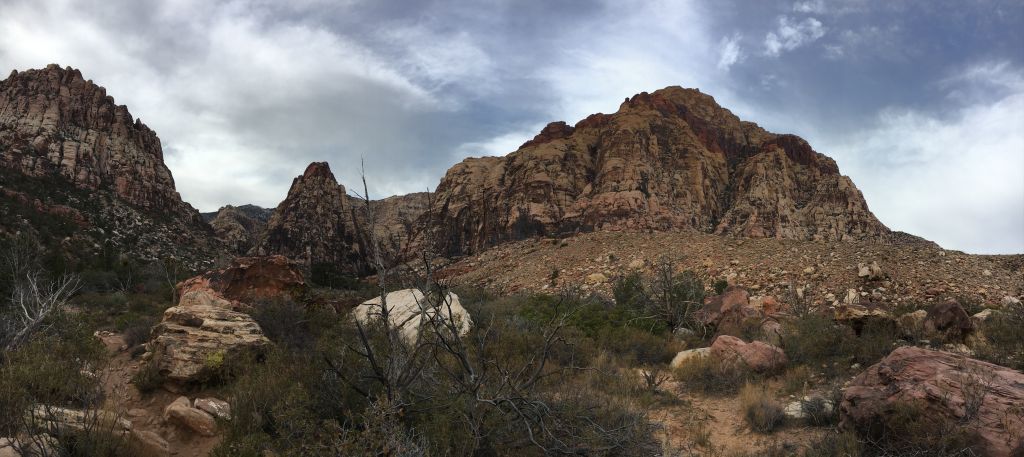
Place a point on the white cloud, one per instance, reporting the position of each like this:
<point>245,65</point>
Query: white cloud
<point>810,6</point>
<point>498,146</point>
<point>791,35</point>
<point>730,52</point>
<point>958,181</point>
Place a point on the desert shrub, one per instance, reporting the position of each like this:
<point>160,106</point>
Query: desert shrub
<point>720,286</point>
<point>332,276</point>
<point>796,380</point>
<point>712,376</point>
<point>762,412</point>
<point>1004,332</point>
<point>818,411</point>
<point>835,444</point>
<point>137,332</point>
<point>665,301</point>
<point>148,378</point>
<point>909,430</point>
<point>815,340</point>
<point>286,322</point>
<point>876,340</point>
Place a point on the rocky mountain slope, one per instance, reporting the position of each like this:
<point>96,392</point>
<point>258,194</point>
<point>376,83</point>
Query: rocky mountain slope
<point>667,160</point>
<point>65,143</point>
<point>239,226</point>
<point>318,222</point>
<point>314,224</point>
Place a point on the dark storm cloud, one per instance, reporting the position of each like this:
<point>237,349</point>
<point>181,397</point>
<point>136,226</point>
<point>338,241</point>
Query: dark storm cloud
<point>908,96</point>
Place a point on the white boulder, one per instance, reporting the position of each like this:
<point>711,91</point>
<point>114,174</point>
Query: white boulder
<point>409,310</point>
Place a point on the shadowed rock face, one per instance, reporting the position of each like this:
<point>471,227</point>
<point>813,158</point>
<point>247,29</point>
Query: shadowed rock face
<point>53,122</point>
<point>315,223</point>
<point>671,159</point>
<point>239,227</point>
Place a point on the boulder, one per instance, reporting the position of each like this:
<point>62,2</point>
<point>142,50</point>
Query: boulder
<point>683,356</point>
<point>950,318</point>
<point>181,412</point>
<point>56,420</point>
<point>217,408</point>
<point>734,301</point>
<point>194,341</point>
<point>870,272</point>
<point>757,356</point>
<point>408,310</point>
<point>1009,302</point>
<point>858,315</point>
<point>982,397</point>
<point>246,280</point>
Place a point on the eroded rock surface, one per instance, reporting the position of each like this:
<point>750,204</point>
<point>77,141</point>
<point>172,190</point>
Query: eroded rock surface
<point>671,159</point>
<point>757,356</point>
<point>408,311</point>
<point>983,397</point>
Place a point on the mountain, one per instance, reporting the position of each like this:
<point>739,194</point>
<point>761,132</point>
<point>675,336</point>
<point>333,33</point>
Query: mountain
<point>238,227</point>
<point>669,160</point>
<point>315,223</point>
<point>67,150</point>
<point>319,223</point>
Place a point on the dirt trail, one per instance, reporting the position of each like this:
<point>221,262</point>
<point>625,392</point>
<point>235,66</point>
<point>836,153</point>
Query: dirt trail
<point>145,411</point>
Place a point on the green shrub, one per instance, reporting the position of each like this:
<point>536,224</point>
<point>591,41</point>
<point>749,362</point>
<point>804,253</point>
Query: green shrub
<point>908,430</point>
<point>720,286</point>
<point>835,444</point>
<point>1004,335</point>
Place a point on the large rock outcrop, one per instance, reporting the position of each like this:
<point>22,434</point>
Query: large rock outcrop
<point>672,159</point>
<point>315,223</point>
<point>64,143</point>
<point>979,397</point>
<point>54,122</point>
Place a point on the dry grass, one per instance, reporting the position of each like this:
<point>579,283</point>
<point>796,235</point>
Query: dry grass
<point>762,412</point>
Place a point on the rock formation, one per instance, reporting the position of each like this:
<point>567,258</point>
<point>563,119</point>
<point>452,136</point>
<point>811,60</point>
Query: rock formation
<point>405,312</point>
<point>315,223</point>
<point>319,223</point>
<point>239,227</point>
<point>54,122</point>
<point>69,152</point>
<point>672,159</point>
<point>979,397</point>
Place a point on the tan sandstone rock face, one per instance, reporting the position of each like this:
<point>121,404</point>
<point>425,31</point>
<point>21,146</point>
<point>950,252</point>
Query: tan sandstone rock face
<point>194,341</point>
<point>672,159</point>
<point>54,122</point>
<point>983,397</point>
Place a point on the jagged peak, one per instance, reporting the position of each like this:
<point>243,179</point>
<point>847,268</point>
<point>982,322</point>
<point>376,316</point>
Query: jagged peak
<point>318,169</point>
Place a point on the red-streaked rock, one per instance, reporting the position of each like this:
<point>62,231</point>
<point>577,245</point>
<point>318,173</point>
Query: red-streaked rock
<point>945,385</point>
<point>757,356</point>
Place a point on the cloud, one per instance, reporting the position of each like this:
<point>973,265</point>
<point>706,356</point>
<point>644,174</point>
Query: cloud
<point>731,52</point>
<point>791,35</point>
<point>959,178</point>
<point>812,6</point>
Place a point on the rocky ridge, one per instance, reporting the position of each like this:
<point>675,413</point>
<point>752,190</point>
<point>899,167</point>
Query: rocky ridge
<point>71,156</point>
<point>671,159</point>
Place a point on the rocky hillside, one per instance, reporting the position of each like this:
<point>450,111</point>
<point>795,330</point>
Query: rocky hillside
<point>67,148</point>
<point>239,227</point>
<point>667,160</point>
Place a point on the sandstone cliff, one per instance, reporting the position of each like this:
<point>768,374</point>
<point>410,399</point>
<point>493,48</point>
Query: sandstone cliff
<point>672,159</point>
<point>65,143</point>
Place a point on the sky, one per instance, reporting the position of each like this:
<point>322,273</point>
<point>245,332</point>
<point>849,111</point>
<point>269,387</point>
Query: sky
<point>920,102</point>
